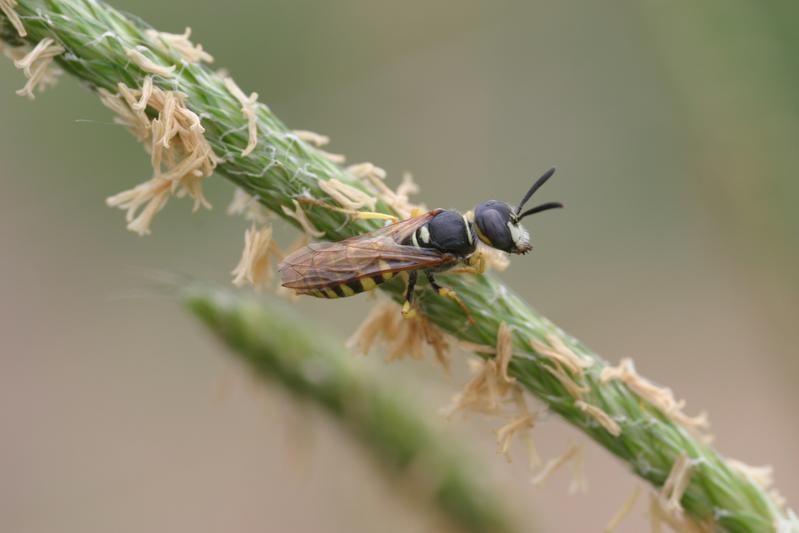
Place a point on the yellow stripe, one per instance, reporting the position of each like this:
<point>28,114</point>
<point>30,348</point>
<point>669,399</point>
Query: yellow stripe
<point>482,235</point>
<point>387,275</point>
<point>330,293</point>
<point>367,284</point>
<point>347,290</point>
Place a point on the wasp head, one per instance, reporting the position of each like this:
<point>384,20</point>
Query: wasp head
<point>499,225</point>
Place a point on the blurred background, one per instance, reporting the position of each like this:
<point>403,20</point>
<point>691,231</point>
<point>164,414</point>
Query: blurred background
<point>674,127</point>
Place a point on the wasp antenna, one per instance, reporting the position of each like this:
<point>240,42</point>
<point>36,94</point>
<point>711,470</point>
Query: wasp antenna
<point>537,185</point>
<point>543,207</point>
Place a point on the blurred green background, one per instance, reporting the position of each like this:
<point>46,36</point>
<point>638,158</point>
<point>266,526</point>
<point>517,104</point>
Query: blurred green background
<point>674,127</point>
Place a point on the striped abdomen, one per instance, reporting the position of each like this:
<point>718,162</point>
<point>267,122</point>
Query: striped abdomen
<point>350,288</point>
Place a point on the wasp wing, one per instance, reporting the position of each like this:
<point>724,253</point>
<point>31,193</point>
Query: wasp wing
<point>324,264</point>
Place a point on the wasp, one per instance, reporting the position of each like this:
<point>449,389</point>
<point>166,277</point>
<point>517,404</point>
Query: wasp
<point>436,241</point>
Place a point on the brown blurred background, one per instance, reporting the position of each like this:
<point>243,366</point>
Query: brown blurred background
<point>674,127</point>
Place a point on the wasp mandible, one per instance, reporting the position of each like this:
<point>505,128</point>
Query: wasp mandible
<point>433,242</point>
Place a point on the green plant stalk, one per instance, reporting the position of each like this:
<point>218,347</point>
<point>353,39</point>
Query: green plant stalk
<point>273,339</point>
<point>283,168</point>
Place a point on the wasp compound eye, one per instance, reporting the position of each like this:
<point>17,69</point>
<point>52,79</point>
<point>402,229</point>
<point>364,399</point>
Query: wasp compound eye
<point>492,219</point>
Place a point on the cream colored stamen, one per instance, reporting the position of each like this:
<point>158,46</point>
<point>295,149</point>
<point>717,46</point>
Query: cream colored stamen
<point>181,44</point>
<point>557,350</point>
<point>255,267</point>
<point>299,215</point>
<point>248,207</point>
<point>623,512</point>
<point>311,137</point>
<point>674,487</point>
<point>600,416</point>
<point>575,390</point>
<point>338,159</point>
<point>405,336</point>
<point>346,195</point>
<point>36,65</point>
<point>761,475</point>
<point>504,351</point>
<point>148,65</point>
<point>249,108</point>
<point>180,155</point>
<point>7,7</point>
<point>574,454</point>
<point>660,397</point>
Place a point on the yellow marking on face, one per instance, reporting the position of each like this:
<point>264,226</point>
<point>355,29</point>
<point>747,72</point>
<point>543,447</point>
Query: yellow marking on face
<point>482,236</point>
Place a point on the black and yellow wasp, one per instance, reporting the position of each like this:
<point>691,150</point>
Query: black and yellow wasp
<point>433,242</point>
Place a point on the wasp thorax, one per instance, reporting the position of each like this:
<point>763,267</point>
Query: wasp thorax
<point>498,226</point>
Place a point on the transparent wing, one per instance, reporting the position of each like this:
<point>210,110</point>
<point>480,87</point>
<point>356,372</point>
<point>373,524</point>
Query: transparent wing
<point>324,264</point>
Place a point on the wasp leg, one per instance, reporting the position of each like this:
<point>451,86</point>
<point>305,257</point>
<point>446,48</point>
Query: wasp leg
<point>407,310</point>
<point>362,215</point>
<point>449,293</point>
<point>477,265</point>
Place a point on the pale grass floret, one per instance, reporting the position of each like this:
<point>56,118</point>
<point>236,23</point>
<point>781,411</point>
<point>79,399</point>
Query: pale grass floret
<point>255,267</point>
<point>193,53</point>
<point>624,511</point>
<point>180,155</point>
<point>660,397</point>
<point>248,207</point>
<point>7,7</point>
<point>311,137</point>
<point>574,455</point>
<point>299,215</point>
<point>37,67</point>
<point>249,108</point>
<point>346,195</point>
<point>148,65</point>
<point>600,416</point>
